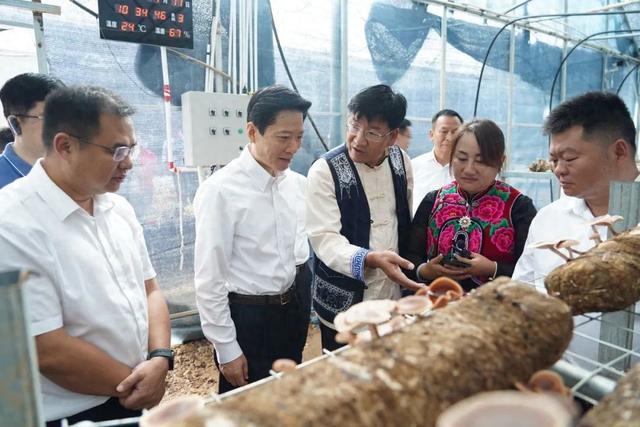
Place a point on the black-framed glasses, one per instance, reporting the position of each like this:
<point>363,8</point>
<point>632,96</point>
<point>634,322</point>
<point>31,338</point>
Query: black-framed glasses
<point>29,116</point>
<point>118,153</point>
<point>369,135</point>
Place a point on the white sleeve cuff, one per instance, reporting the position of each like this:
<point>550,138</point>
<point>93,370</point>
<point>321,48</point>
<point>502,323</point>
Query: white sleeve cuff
<point>228,351</point>
<point>46,325</point>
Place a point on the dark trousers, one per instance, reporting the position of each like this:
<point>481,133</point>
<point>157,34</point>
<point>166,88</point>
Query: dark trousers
<point>269,332</point>
<point>109,410</point>
<point>328,337</point>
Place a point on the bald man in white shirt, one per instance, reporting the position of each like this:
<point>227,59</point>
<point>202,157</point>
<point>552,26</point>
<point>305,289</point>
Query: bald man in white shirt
<point>431,169</point>
<point>100,322</point>
<point>245,250</point>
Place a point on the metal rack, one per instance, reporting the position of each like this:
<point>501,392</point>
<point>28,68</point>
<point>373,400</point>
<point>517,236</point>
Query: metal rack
<point>591,366</point>
<point>593,363</point>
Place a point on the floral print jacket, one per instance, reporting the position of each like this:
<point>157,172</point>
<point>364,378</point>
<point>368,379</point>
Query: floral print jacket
<point>495,221</point>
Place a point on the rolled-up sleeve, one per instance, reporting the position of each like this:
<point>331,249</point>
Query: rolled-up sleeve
<point>323,225</point>
<point>215,227</point>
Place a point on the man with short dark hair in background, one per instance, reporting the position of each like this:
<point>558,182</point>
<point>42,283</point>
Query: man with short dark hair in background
<point>359,210</point>
<point>431,170</point>
<point>100,322</point>
<point>404,135</point>
<point>6,136</point>
<point>22,100</point>
<point>592,143</point>
<point>245,249</point>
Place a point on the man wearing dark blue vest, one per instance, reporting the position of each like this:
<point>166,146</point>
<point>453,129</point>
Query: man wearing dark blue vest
<point>359,210</point>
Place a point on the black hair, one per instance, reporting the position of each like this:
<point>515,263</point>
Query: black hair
<point>379,102</point>
<point>6,136</point>
<point>448,113</point>
<point>267,102</point>
<point>20,93</point>
<point>601,115</point>
<point>404,125</point>
<point>76,110</point>
<point>490,141</point>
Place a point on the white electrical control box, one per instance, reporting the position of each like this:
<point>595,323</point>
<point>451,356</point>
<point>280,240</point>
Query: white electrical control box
<point>213,127</point>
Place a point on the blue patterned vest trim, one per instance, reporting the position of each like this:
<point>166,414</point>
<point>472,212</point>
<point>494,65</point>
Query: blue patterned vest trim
<point>334,292</point>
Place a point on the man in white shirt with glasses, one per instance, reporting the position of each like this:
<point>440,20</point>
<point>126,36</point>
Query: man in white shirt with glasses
<point>359,210</point>
<point>245,249</point>
<point>100,322</point>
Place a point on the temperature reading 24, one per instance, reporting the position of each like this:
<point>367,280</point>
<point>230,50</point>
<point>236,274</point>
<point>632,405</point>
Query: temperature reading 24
<point>158,22</point>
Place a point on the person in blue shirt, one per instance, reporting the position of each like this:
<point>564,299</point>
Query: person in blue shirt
<point>22,100</point>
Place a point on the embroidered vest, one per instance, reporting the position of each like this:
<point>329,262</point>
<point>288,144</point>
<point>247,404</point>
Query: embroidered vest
<point>486,218</point>
<point>334,292</point>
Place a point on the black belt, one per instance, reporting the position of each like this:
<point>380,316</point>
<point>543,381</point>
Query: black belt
<point>282,299</point>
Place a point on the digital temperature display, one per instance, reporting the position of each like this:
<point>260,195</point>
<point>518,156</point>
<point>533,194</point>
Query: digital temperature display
<point>158,22</point>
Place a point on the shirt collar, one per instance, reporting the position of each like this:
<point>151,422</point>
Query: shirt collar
<point>16,161</point>
<point>58,201</point>
<point>259,176</point>
<point>577,206</point>
<point>432,157</point>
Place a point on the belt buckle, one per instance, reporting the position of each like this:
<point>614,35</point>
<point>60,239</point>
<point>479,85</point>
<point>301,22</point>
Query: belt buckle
<point>285,298</point>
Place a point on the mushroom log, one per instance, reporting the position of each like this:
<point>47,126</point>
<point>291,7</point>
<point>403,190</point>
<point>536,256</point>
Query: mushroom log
<point>605,278</point>
<point>620,408</point>
<point>499,334</point>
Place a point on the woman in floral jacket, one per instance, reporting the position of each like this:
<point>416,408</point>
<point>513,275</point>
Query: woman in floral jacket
<point>474,228</point>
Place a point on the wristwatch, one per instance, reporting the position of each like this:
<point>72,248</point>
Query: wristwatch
<point>163,352</point>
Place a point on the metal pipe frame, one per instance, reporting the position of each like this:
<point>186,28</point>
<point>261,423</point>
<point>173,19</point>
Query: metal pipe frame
<point>566,57</point>
<point>32,6</point>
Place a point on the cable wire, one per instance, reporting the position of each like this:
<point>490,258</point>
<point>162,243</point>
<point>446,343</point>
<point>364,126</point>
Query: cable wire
<point>551,16</point>
<point>286,67</point>
<point>566,57</point>
<point>635,67</point>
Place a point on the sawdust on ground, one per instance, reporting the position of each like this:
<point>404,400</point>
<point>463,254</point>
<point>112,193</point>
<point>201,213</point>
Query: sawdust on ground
<point>195,372</point>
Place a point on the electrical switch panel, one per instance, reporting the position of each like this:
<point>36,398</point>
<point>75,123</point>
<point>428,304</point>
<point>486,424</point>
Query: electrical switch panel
<point>213,126</point>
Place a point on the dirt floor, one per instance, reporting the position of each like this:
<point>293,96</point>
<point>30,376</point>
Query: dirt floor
<point>195,372</point>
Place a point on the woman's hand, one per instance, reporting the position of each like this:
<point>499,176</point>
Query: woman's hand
<point>479,265</point>
<point>432,269</point>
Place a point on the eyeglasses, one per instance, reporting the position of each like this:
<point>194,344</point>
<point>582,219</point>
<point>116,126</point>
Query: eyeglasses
<point>118,153</point>
<point>29,116</point>
<point>369,135</point>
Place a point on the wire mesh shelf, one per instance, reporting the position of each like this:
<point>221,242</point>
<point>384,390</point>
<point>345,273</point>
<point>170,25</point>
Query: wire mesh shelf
<point>601,351</point>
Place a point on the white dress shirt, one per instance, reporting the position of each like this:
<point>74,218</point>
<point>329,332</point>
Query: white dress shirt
<point>323,222</point>
<point>245,240</point>
<point>566,218</point>
<point>89,274</point>
<point>428,175</point>
<point>294,186</point>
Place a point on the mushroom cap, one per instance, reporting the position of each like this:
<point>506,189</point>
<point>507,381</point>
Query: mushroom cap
<point>606,220</point>
<point>501,408</point>
<point>364,313</point>
<point>547,381</point>
<point>284,365</point>
<point>445,286</point>
<point>568,243</point>
<point>168,413</point>
<point>413,304</point>
<point>543,245</point>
